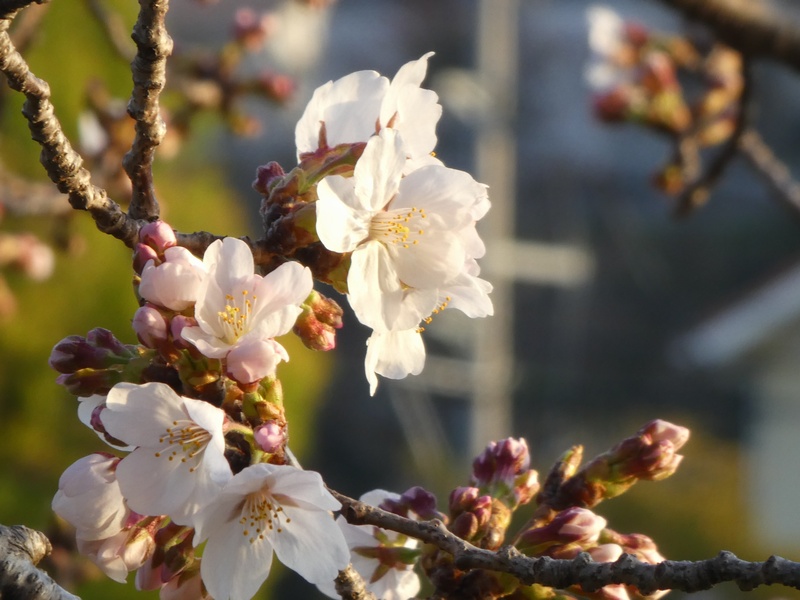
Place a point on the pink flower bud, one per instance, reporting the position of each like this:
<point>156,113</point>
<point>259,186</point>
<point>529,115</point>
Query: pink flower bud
<point>660,430</point>
<point>266,176</point>
<point>276,86</point>
<point>143,254</point>
<point>89,497</point>
<point>158,235</point>
<point>150,326</point>
<point>501,462</point>
<point>606,552</point>
<point>35,258</point>
<point>270,436</point>
<point>573,526</point>
<point>175,283</point>
<point>249,362</point>
<point>176,326</point>
<point>99,349</point>
<point>251,30</point>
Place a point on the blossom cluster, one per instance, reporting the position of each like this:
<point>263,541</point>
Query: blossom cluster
<point>406,221</point>
<point>639,76</point>
<point>207,490</point>
<point>198,490</point>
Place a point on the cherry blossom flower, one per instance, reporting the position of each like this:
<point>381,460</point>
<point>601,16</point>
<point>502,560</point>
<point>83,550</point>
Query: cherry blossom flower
<point>266,508</point>
<point>89,497</point>
<point>179,463</point>
<point>413,243</point>
<point>239,310</point>
<point>380,556</point>
<point>175,283</point>
<point>356,106</point>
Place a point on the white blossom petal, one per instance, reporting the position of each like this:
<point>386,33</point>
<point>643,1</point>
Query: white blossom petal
<point>377,173</point>
<point>342,223</point>
<point>393,354</point>
<point>349,107</point>
<point>374,288</point>
<point>179,462</point>
<point>258,512</point>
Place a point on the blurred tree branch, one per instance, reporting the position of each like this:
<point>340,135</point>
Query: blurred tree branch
<point>750,26</point>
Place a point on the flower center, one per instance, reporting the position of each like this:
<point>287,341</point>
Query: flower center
<point>184,441</point>
<point>261,514</point>
<point>400,227</point>
<point>236,316</point>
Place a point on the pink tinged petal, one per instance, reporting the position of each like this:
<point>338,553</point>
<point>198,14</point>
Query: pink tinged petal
<point>394,354</point>
<point>349,107</point>
<point>374,288</point>
<point>89,497</point>
<point>378,172</point>
<point>253,360</point>
<point>175,283</point>
<point>341,222</point>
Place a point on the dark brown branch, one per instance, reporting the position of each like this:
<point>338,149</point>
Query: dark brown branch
<point>591,576</point>
<point>770,168</point>
<point>20,549</point>
<point>62,163</point>
<point>149,69</point>
<point>748,26</point>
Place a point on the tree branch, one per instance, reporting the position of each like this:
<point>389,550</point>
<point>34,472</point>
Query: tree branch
<point>20,549</point>
<point>351,586</point>
<point>149,69</point>
<point>748,26</point>
<point>62,164</point>
<point>699,189</point>
<point>771,169</point>
<point>559,573</point>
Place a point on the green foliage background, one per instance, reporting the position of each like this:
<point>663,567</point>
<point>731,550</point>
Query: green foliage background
<point>39,432</point>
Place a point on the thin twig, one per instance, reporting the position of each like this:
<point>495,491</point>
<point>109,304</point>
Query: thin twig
<point>560,573</point>
<point>771,169</point>
<point>149,69</point>
<point>114,29</point>
<point>699,188</point>
<point>62,163</point>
